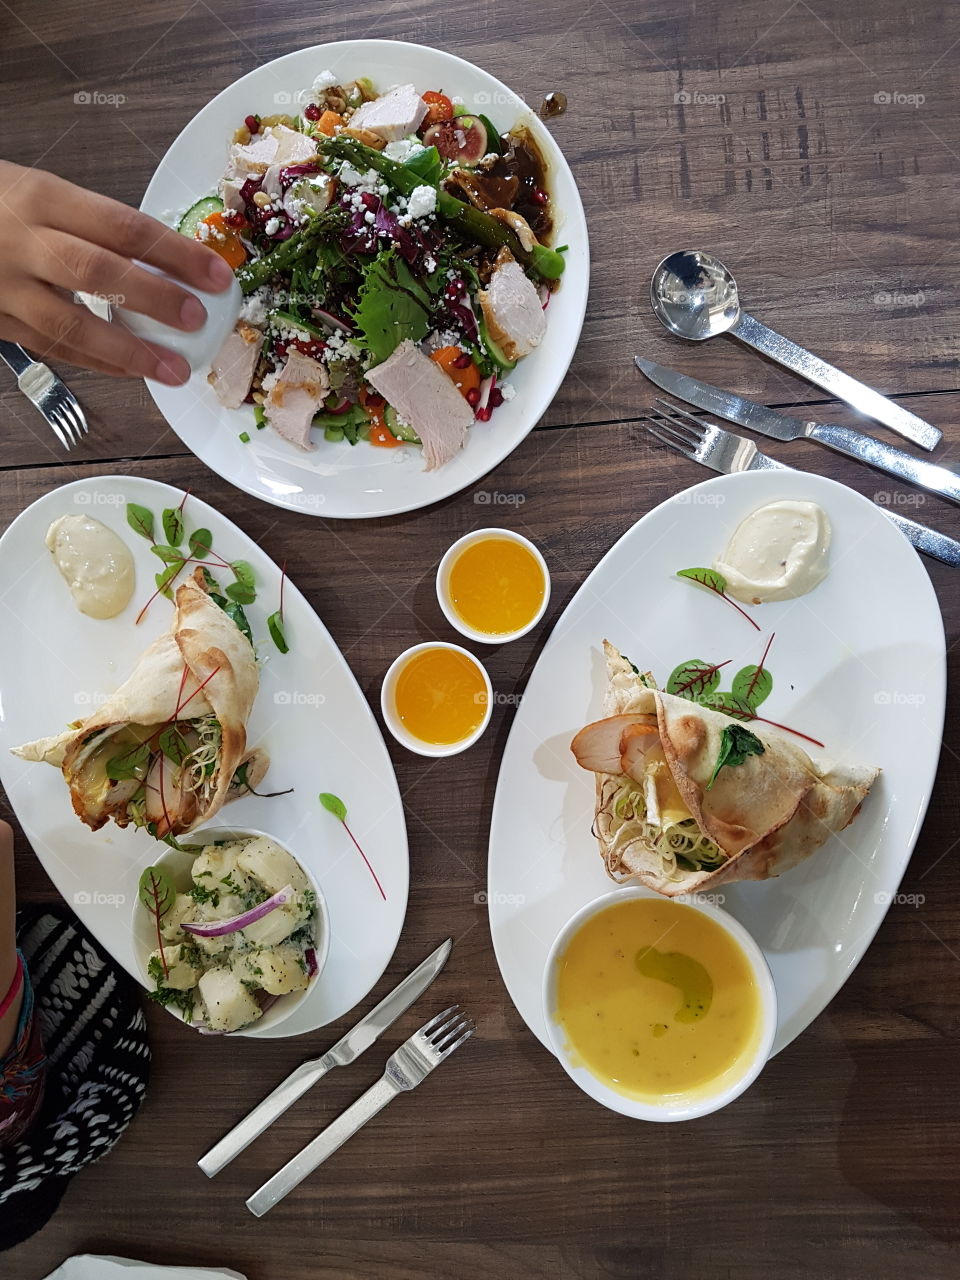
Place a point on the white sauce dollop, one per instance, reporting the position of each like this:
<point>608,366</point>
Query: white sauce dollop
<point>777,552</point>
<point>96,565</point>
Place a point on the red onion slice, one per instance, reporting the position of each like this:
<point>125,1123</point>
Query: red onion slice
<point>219,928</point>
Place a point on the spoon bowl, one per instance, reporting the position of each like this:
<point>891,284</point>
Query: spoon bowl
<point>694,295</point>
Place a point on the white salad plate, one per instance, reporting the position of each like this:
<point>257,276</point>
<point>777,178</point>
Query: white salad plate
<point>337,480</point>
<point>859,664</point>
<point>56,665</point>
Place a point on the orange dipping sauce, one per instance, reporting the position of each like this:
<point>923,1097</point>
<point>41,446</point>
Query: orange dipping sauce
<point>496,586</point>
<point>440,696</point>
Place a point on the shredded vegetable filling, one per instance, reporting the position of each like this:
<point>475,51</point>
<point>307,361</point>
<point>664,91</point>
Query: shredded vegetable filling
<point>680,845</point>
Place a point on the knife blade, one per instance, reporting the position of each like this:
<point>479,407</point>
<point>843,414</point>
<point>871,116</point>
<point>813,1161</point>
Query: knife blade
<point>345,1051</point>
<point>942,481</point>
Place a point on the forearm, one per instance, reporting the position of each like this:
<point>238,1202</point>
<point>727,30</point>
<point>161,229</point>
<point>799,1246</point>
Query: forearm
<point>8,937</point>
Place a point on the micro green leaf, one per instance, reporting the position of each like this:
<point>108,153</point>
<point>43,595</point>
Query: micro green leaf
<point>140,519</point>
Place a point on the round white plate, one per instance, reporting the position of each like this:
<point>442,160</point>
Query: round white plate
<point>859,663</point>
<point>56,665</point>
<point>337,480</point>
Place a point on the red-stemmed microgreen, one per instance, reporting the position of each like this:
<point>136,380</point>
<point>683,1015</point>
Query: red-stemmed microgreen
<point>275,621</point>
<point>695,678</point>
<point>157,894</point>
<point>333,804</point>
<point>716,583</point>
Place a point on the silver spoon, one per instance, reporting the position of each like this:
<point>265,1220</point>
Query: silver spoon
<point>695,296</point>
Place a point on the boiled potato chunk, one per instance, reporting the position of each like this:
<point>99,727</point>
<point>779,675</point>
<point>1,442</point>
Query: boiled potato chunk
<point>272,866</point>
<point>278,971</point>
<point>181,973</point>
<point>217,863</point>
<point>276,926</point>
<point>228,1003</point>
<point>170,925</point>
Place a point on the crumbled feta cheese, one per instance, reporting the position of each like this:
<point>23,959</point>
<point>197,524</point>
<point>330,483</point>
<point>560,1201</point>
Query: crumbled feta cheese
<point>402,149</point>
<point>269,379</point>
<point>254,309</point>
<point>325,80</point>
<point>351,177</point>
<point>507,390</point>
<point>369,216</point>
<point>423,200</point>
<point>429,264</point>
<point>272,226</point>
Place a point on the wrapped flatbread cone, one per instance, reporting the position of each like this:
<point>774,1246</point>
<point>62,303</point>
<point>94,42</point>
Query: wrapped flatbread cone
<point>674,816</point>
<point>169,748</point>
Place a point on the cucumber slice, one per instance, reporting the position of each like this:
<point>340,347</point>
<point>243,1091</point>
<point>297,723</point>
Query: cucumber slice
<point>400,430</point>
<point>492,350</point>
<point>333,434</point>
<point>187,226</point>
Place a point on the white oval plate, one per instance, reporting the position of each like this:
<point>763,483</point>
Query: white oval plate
<point>56,665</point>
<point>337,480</point>
<point>859,663</point>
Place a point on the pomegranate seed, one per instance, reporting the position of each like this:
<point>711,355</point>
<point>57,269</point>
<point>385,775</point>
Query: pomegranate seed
<point>473,398</point>
<point>539,196</point>
<point>312,112</point>
<point>281,349</point>
<point>462,361</point>
<point>252,123</point>
<point>235,220</point>
<point>483,415</point>
<point>496,398</point>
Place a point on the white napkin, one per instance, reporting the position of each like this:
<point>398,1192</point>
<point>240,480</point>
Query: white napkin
<point>88,1267</point>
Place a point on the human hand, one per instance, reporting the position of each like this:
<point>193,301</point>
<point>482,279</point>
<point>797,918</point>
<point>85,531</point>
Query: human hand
<point>57,239</point>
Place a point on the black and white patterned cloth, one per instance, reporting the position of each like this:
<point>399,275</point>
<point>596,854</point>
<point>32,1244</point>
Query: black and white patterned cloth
<point>98,1065</point>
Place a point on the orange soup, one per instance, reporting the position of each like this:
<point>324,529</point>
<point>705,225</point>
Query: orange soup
<point>440,696</point>
<point>658,1001</point>
<point>496,585</point>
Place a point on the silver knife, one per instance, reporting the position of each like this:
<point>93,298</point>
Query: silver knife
<point>779,426</point>
<point>345,1051</point>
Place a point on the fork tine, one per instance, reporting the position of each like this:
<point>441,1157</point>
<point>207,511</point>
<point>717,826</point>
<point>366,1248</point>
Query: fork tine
<point>671,444</point>
<point>439,1032</point>
<point>440,1043</point>
<point>71,410</point>
<point>693,434</point>
<point>672,433</point>
<point>429,1026</point>
<point>457,1043</point>
<point>57,415</point>
<point>54,425</point>
<point>677,410</point>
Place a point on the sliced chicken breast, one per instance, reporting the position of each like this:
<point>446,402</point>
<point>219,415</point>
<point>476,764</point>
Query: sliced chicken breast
<point>393,115</point>
<point>277,145</point>
<point>295,397</point>
<point>422,393</point>
<point>616,744</point>
<point>235,364</point>
<point>512,309</point>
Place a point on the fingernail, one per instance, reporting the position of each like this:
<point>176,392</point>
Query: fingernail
<point>174,371</point>
<point>220,272</point>
<point>192,313</point>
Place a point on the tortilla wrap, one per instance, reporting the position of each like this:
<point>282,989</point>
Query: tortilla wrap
<point>202,666</point>
<point>764,815</point>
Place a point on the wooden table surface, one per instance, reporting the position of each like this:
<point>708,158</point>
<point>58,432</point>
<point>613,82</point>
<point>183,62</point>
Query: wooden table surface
<point>815,148</point>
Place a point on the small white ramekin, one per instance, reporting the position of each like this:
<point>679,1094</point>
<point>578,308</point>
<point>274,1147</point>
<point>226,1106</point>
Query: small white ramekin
<point>443,585</point>
<point>676,1109</point>
<point>396,725</point>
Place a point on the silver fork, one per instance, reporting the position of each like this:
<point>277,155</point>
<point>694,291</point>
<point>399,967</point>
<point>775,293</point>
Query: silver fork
<point>43,388</point>
<point>724,451</point>
<point>408,1067</point>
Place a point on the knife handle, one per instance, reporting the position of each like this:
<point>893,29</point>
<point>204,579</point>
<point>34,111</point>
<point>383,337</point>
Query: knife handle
<point>817,371</point>
<point>323,1146</point>
<point>262,1116</point>
<point>885,457</point>
<point>936,545</point>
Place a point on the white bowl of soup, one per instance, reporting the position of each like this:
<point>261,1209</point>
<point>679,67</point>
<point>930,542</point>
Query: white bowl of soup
<point>659,1008</point>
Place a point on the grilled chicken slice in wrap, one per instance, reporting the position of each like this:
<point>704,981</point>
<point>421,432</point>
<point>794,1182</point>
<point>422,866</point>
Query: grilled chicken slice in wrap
<point>168,749</point>
<point>669,818</point>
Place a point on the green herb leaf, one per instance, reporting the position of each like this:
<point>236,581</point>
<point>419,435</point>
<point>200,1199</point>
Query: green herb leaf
<point>391,305</point>
<point>240,593</point>
<point>209,580</point>
<point>140,519</point>
<point>708,578</point>
<point>173,744</point>
<point>129,764</point>
<point>736,744</point>
<point>333,804</point>
<point>752,685</point>
<point>235,611</point>
<point>200,542</point>
<point>164,579</point>
<point>169,555</point>
<point>156,891</point>
<point>243,572</point>
<point>427,164</point>
<point>173,526</point>
<point>275,627</point>
<point>694,679</point>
